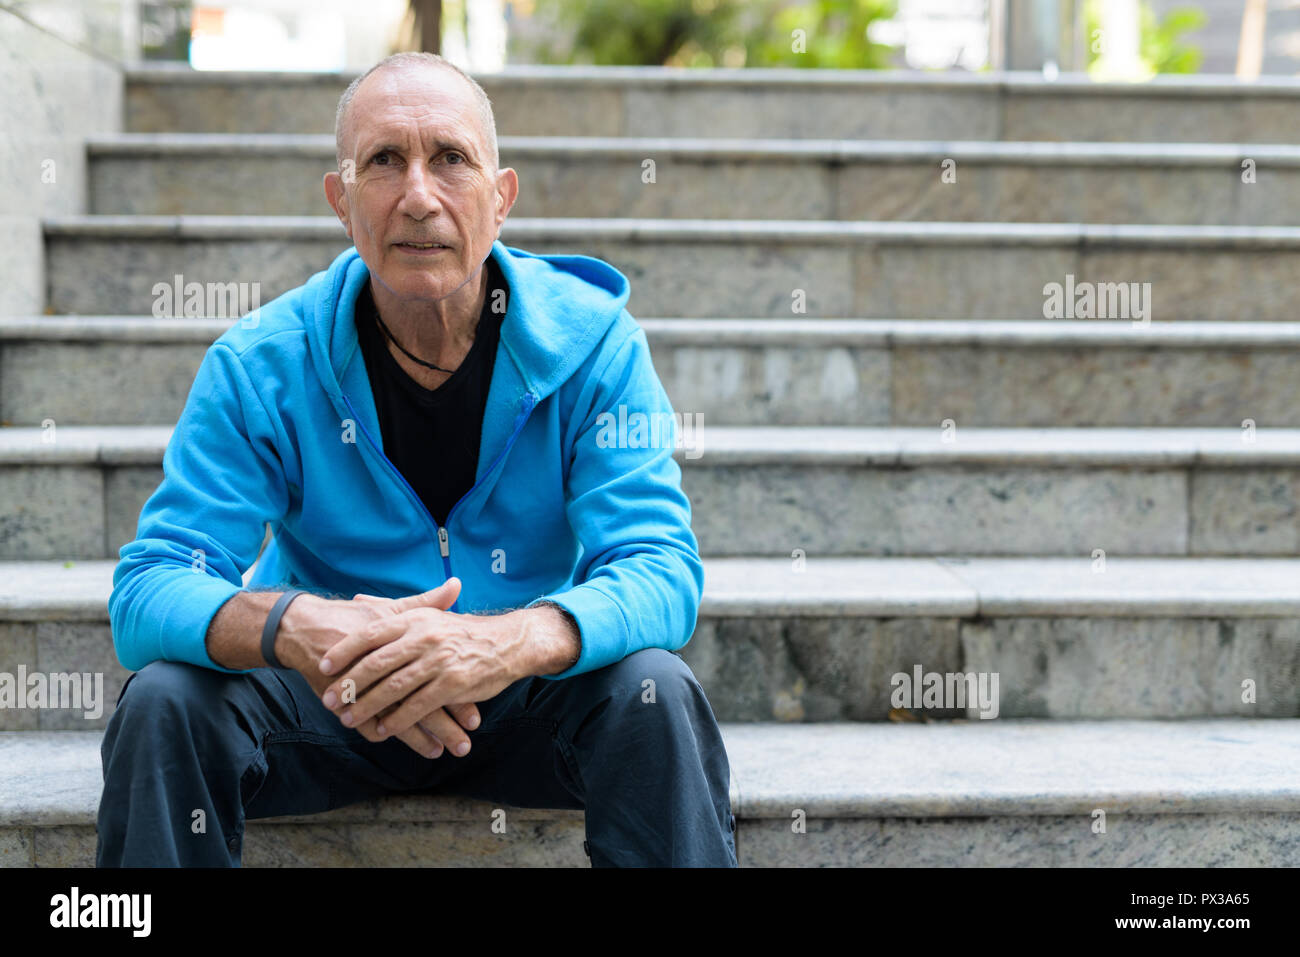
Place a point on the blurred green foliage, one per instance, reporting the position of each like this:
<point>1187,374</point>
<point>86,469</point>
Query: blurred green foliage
<point>1160,40</point>
<point>712,33</point>
<point>835,36</point>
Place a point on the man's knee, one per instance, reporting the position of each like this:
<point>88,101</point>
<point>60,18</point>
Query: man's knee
<point>653,674</point>
<point>164,684</point>
<point>168,696</point>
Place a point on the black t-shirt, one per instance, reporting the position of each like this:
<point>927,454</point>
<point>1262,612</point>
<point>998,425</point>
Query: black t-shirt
<point>432,435</point>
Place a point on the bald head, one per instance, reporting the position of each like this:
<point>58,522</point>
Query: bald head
<point>474,97</point>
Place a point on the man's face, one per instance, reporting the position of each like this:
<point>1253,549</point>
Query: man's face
<point>422,175</point>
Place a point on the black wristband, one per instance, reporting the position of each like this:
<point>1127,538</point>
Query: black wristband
<point>273,624</point>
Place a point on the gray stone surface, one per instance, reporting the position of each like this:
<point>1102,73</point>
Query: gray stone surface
<point>1144,638</point>
<point>1115,585</point>
<point>56,591</point>
<point>956,282</point>
<point>1131,840</point>
<point>1068,192</point>
<point>712,268</point>
<point>690,278</point>
<point>857,104</point>
<point>1255,513</point>
<point>826,586</point>
<point>126,490</point>
<point>53,778</point>
<point>167,185</point>
<point>18,649</point>
<point>62,647</point>
<point>776,668</point>
<point>87,649</point>
<point>558,177</point>
<point>811,110</point>
<point>170,100</point>
<point>815,669</point>
<point>16,848</point>
<point>733,385</point>
<point>57,512</point>
<point>1189,283</point>
<point>127,270</point>
<point>833,491</point>
<point>1190,118</point>
<point>731,178</point>
<point>1156,386</point>
<point>24,287</point>
<point>386,844</point>
<point>1019,768</point>
<point>417,844</point>
<point>1138,667</point>
<point>1209,840</point>
<point>54,95</point>
<point>80,446</point>
<point>106,383</point>
<point>63,846</point>
<point>949,444</point>
<point>748,510</point>
<point>1196,793</point>
<point>853,587</point>
<point>158,99</point>
<point>796,371</point>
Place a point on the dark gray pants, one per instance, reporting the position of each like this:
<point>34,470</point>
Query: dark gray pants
<point>653,777</point>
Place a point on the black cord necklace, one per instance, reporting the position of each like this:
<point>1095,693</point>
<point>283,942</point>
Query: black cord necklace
<point>429,365</point>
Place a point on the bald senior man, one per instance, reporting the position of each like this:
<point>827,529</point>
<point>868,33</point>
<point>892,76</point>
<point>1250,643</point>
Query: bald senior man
<point>426,427</point>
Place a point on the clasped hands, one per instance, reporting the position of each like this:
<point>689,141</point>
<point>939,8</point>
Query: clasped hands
<point>405,667</point>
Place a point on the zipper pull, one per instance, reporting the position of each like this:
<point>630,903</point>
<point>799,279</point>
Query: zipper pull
<point>444,546</point>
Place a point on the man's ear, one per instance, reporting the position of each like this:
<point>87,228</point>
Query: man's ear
<point>336,195</point>
<point>507,193</point>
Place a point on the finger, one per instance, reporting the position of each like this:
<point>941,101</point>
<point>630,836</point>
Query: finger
<point>399,682</point>
<point>414,707</point>
<point>348,649</point>
<point>466,715</point>
<point>442,597</point>
<point>417,739</point>
<point>432,737</point>
<point>421,742</point>
<point>441,726</point>
<point>365,676</point>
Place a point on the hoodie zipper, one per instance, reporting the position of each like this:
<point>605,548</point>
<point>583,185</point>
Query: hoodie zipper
<point>444,539</point>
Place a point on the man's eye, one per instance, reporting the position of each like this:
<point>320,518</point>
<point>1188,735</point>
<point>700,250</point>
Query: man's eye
<point>381,159</point>
<point>455,156</point>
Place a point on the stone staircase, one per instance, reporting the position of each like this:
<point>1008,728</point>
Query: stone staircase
<point>916,470</point>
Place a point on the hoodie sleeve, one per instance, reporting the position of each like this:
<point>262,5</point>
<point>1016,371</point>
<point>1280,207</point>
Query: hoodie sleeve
<point>639,581</point>
<point>202,528</point>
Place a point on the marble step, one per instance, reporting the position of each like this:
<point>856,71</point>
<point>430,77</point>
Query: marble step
<point>758,490</point>
<point>838,104</point>
<point>718,178</point>
<point>138,370</point>
<point>823,638</point>
<point>695,268</point>
<point>1002,794</point>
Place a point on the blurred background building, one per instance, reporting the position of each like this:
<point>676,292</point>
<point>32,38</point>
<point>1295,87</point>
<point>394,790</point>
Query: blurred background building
<point>1108,38</point>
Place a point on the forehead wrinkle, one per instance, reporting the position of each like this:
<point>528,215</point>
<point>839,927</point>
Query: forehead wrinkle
<point>397,132</point>
<point>416,93</point>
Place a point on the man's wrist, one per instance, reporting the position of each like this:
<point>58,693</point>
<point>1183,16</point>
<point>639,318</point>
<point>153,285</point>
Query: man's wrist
<point>555,640</point>
<point>289,647</point>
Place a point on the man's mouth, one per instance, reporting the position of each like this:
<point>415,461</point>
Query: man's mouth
<point>422,246</point>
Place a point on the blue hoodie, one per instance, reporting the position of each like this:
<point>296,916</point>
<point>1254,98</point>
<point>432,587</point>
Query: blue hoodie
<point>568,506</point>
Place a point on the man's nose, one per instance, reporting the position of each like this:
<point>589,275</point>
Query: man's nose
<point>420,192</point>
